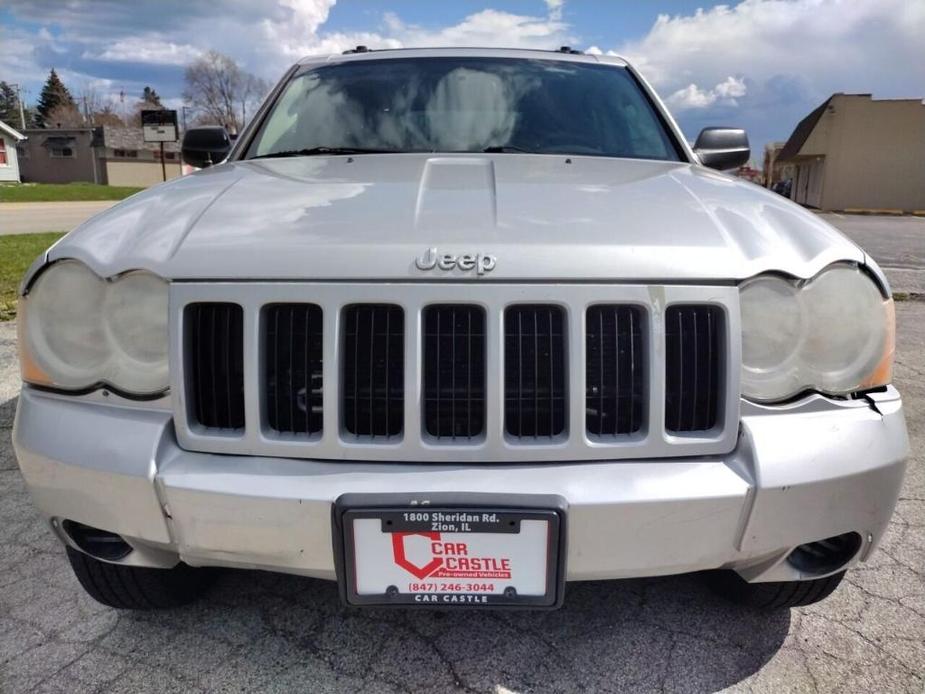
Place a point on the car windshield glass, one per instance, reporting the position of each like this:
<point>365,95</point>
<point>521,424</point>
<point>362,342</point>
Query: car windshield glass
<point>499,105</point>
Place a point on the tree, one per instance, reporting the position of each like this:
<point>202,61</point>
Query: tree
<point>90,102</point>
<point>64,116</point>
<point>221,91</point>
<point>107,115</point>
<point>9,105</point>
<point>56,98</point>
<point>150,101</point>
<point>150,96</point>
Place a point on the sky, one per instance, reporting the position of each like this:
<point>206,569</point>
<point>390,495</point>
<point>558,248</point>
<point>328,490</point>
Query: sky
<point>757,64</point>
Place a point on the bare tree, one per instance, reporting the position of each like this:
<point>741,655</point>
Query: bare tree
<point>252,93</point>
<point>65,116</point>
<point>107,115</point>
<point>90,102</point>
<point>221,91</point>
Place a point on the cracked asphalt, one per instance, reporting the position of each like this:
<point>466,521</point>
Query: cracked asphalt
<point>265,632</point>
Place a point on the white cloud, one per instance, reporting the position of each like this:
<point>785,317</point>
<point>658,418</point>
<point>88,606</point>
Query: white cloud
<point>264,37</point>
<point>731,88</point>
<point>282,41</point>
<point>308,15</point>
<point>692,96</point>
<point>787,57</point>
<point>555,8</point>
<point>487,28</point>
<point>757,62</point>
<point>831,44</point>
<point>151,50</point>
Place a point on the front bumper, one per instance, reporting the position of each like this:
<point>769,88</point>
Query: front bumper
<point>798,474</point>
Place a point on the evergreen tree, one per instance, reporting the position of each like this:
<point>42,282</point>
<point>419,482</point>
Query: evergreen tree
<point>55,97</point>
<point>9,105</point>
<point>150,96</point>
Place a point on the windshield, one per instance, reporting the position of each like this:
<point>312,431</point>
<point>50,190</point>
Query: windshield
<point>464,105</point>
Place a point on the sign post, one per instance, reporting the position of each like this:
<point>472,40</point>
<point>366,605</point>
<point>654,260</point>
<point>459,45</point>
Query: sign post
<point>160,126</point>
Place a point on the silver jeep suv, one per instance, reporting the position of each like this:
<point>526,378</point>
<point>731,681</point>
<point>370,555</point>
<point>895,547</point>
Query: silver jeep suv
<point>454,327</point>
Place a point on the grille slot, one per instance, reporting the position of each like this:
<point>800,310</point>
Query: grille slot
<point>534,371</point>
<point>373,370</point>
<point>693,367</point>
<point>614,376</point>
<point>216,364</point>
<point>454,371</point>
<point>293,344</point>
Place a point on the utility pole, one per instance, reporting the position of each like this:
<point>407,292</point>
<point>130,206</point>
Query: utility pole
<point>22,113</point>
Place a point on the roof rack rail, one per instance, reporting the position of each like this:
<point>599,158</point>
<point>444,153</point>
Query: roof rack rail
<point>569,50</point>
<point>358,49</point>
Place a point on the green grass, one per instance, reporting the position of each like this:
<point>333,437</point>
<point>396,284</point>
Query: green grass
<point>58,192</point>
<point>16,255</point>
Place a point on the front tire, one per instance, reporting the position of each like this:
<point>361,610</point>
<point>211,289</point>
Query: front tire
<point>135,587</point>
<point>774,595</point>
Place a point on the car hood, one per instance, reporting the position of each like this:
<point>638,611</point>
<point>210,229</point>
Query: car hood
<point>542,217</point>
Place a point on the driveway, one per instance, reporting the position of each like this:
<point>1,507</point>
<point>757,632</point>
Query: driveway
<point>34,217</point>
<point>263,632</point>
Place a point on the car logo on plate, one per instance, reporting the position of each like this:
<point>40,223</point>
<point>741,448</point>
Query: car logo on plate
<point>432,259</point>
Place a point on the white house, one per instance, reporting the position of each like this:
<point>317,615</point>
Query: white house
<point>9,163</point>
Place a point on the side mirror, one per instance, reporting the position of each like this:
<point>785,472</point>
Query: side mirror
<point>205,146</point>
<point>722,148</point>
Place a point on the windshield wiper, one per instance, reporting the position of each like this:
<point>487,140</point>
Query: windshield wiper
<point>315,151</point>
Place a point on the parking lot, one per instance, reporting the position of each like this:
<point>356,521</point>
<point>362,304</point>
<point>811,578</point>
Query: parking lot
<point>897,244</point>
<point>264,632</point>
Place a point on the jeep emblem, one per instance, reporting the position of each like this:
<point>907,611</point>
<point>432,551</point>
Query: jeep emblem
<point>447,261</point>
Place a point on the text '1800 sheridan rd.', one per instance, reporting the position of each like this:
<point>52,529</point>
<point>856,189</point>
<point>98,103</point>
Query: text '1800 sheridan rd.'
<point>455,328</point>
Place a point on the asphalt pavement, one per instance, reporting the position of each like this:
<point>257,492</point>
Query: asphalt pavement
<point>896,243</point>
<point>260,632</point>
<point>37,217</point>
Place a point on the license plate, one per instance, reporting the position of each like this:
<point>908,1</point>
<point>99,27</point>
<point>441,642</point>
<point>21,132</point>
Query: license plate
<point>451,556</point>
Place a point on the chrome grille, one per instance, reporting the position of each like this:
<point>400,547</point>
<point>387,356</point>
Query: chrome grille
<point>455,372</point>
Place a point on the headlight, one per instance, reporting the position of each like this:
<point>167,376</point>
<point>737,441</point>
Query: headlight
<point>78,331</point>
<point>834,334</point>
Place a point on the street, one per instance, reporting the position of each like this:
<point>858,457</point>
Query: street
<point>36,217</point>
<point>265,632</point>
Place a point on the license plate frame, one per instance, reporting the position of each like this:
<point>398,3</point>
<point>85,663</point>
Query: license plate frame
<point>507,507</point>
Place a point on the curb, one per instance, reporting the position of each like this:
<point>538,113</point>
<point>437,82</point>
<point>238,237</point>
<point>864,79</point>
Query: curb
<point>880,213</point>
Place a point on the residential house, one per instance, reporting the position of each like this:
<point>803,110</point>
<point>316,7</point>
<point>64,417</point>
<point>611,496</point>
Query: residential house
<point>59,155</point>
<point>858,153</point>
<point>127,160</point>
<point>9,161</point>
<point>107,155</point>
